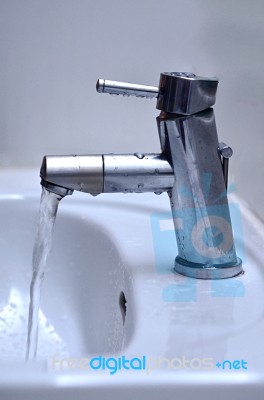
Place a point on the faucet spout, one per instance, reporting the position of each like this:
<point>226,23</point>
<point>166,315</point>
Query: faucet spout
<point>107,173</point>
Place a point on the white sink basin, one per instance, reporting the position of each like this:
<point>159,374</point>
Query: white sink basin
<point>108,250</point>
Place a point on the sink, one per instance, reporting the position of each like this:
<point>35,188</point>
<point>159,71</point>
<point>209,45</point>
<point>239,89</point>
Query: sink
<point>85,278</point>
<point>110,292</point>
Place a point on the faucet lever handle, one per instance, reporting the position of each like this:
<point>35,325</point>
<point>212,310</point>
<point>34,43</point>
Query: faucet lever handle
<point>178,92</point>
<point>126,89</point>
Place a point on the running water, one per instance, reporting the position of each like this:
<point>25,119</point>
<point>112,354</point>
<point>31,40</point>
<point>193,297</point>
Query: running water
<point>47,214</point>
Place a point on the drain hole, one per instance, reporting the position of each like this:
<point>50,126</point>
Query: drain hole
<point>122,305</point>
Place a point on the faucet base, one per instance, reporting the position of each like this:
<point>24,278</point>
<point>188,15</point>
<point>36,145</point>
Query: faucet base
<point>206,271</point>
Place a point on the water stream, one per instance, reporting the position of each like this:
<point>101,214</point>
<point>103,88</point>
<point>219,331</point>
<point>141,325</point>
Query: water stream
<point>47,214</point>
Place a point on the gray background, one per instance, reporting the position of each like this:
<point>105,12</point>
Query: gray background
<point>53,51</point>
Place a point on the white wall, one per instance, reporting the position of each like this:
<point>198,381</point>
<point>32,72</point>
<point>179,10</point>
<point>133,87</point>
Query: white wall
<point>53,51</point>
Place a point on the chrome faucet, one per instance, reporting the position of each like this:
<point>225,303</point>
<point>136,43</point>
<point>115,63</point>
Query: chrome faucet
<point>192,168</point>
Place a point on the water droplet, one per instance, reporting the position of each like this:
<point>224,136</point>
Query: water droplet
<point>157,171</point>
<point>158,193</point>
<point>94,194</point>
<point>139,155</point>
<point>140,186</point>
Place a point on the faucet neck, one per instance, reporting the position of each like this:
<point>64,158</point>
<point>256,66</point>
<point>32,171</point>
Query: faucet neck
<point>198,197</point>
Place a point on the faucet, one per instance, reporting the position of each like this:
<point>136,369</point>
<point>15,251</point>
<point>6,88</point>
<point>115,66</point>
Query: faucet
<point>192,168</point>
